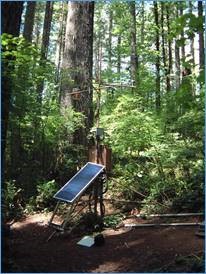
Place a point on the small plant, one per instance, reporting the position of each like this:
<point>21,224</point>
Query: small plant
<point>12,200</point>
<point>45,193</point>
<point>113,220</point>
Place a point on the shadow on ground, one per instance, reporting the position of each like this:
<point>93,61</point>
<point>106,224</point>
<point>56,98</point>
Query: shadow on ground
<point>137,250</point>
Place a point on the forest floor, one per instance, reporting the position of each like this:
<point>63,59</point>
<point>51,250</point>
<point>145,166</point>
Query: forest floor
<point>159,249</point>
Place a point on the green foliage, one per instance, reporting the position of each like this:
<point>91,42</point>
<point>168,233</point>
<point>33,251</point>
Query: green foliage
<point>45,192</point>
<point>189,22</point>
<point>160,156</point>
<point>12,201</point>
<point>38,132</point>
<point>113,220</point>
<point>165,166</point>
<point>43,198</point>
<point>127,140</point>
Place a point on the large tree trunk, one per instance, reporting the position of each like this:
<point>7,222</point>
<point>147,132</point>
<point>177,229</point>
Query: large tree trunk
<point>157,64</point>
<point>77,63</point>
<point>11,19</point>
<point>29,20</point>
<point>11,12</point>
<point>134,58</point>
<point>201,37</point>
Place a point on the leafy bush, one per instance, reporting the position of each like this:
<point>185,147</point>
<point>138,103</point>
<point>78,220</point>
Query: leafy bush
<point>39,134</point>
<point>164,164</point>
<point>45,192</point>
<point>12,201</point>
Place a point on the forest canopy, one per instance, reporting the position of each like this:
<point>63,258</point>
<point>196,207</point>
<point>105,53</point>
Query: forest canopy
<point>135,69</point>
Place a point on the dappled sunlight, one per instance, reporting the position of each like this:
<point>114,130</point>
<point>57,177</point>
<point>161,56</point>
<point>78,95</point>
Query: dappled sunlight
<point>103,115</point>
<point>124,250</point>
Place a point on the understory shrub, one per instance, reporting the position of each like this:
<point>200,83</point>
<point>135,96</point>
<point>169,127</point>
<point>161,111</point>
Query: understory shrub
<point>43,200</point>
<point>164,169</point>
<point>12,201</point>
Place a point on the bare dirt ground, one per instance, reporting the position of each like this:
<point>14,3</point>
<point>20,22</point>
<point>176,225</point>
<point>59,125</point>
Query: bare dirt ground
<point>162,249</point>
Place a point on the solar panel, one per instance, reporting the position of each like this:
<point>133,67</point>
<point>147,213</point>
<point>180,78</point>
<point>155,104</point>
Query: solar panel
<point>79,182</point>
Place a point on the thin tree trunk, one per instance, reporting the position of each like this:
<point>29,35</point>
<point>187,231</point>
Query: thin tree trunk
<point>163,42</point>
<point>169,50</point>
<point>201,37</point>
<point>45,42</point>
<point>157,64</point>
<point>38,152</point>
<point>61,36</point>
<point>192,50</point>
<point>177,58</point>
<point>177,65</point>
<point>96,59</point>
<point>46,29</point>
<point>134,58</point>
<point>143,22</point>
<point>37,23</point>
<point>119,54</point>
<point>29,20</point>
<point>77,64</point>
<point>110,39</point>
<point>182,36</point>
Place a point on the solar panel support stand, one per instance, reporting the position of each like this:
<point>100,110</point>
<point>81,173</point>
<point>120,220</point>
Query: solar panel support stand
<point>62,227</point>
<point>54,213</point>
<point>71,214</point>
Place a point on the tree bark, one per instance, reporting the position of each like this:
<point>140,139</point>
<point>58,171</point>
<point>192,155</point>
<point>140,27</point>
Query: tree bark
<point>40,7</point>
<point>11,12</point>
<point>110,39</point>
<point>163,41</point>
<point>169,49</point>
<point>157,64</point>
<point>119,39</point>
<point>45,42</point>
<point>11,19</point>
<point>143,22</point>
<point>182,36</point>
<point>134,57</point>
<point>46,29</point>
<point>29,20</point>
<point>61,35</point>
<point>77,63</point>
<point>201,37</point>
<point>192,50</point>
<point>177,58</point>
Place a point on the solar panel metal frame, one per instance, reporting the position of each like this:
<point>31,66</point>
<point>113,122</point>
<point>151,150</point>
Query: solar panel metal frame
<point>84,188</point>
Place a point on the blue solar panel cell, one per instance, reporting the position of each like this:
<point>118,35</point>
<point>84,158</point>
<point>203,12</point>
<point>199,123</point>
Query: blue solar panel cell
<point>79,182</point>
